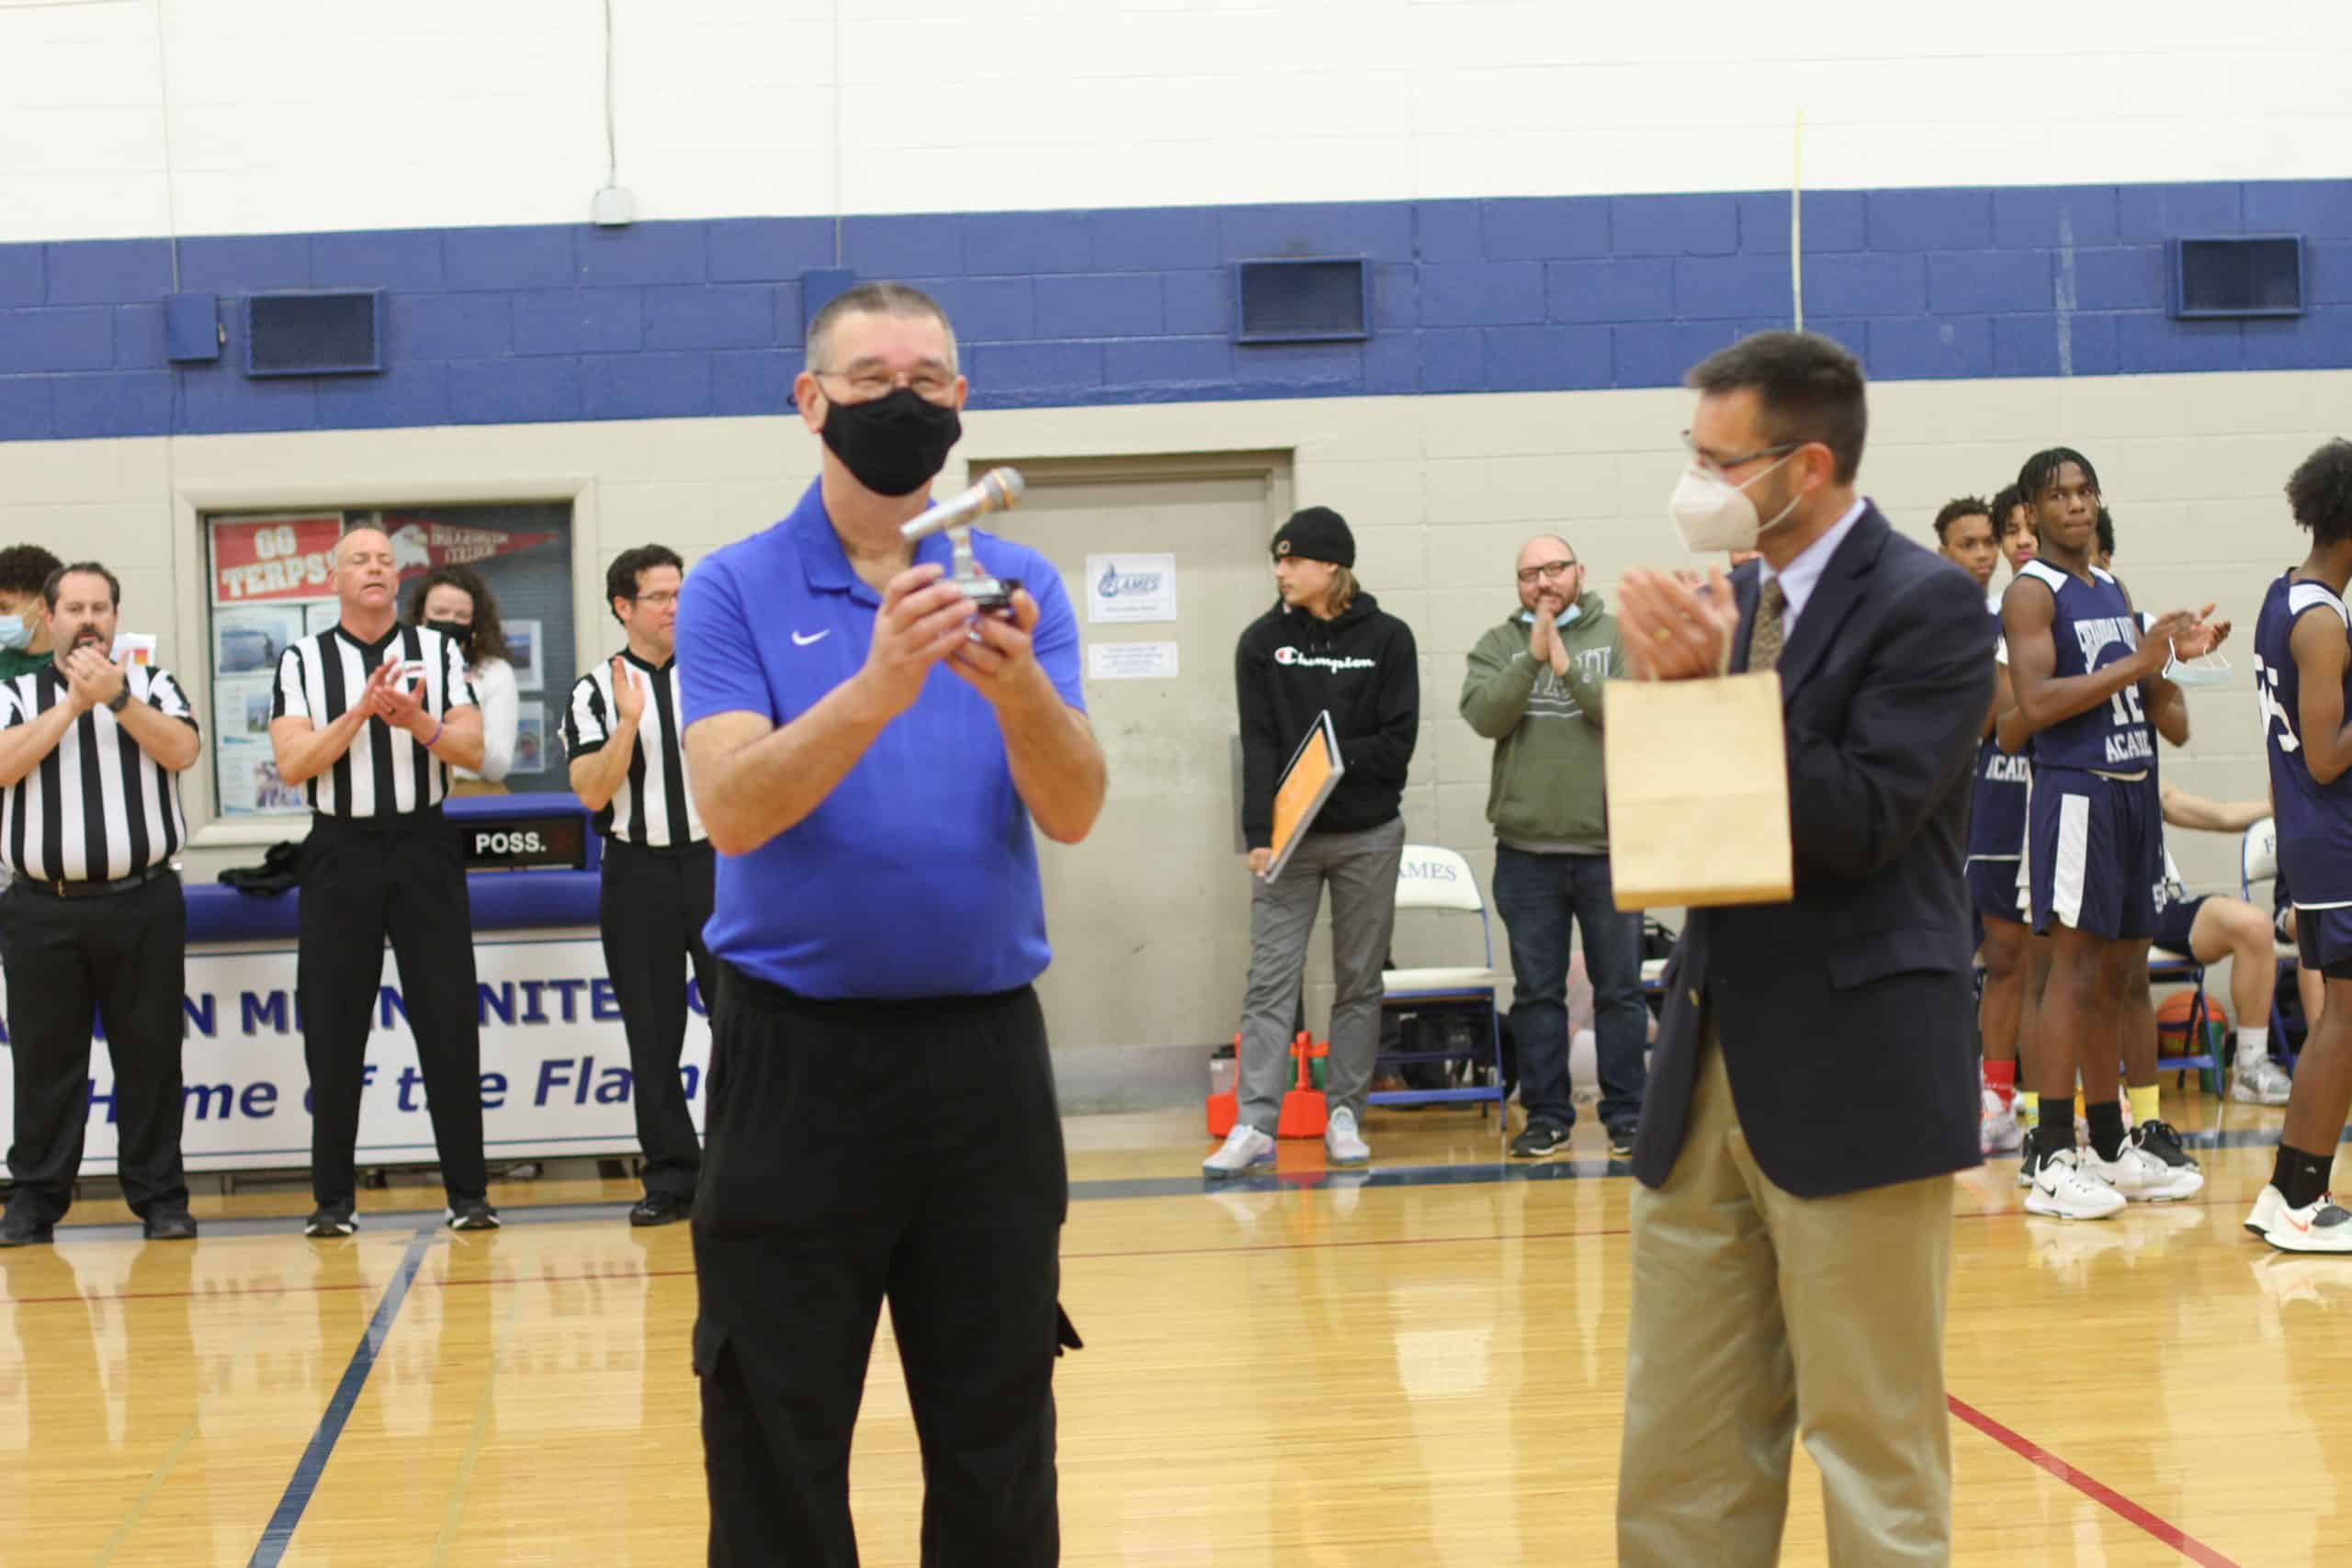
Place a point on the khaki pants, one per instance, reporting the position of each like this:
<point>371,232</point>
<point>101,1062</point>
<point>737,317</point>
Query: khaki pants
<point>1757,1315</point>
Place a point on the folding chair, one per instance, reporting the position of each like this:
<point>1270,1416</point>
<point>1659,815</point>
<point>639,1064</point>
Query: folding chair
<point>1435,878</point>
<point>2169,968</point>
<point>2258,861</point>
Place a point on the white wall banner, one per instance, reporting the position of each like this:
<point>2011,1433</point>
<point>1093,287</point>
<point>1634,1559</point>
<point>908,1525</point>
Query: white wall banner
<point>555,1075</point>
<point>1127,589</point>
<point>1131,661</point>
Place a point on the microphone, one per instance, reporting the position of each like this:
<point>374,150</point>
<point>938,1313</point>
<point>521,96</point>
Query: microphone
<point>998,489</point>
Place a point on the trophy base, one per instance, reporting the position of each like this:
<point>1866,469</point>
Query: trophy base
<point>992,594</point>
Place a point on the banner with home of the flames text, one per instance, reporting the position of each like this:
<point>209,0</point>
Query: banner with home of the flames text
<point>555,1074</point>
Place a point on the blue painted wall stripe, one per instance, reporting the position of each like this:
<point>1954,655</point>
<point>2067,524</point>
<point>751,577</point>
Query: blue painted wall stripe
<point>280,1530</point>
<point>688,320</point>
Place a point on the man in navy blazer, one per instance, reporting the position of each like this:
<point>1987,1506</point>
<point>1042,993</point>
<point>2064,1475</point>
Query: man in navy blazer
<point>1814,1084</point>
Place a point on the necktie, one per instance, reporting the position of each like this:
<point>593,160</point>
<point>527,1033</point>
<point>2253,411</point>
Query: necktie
<point>1764,636</point>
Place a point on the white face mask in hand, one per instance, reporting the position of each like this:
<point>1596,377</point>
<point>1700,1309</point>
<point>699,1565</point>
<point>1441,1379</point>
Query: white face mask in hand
<point>1712,513</point>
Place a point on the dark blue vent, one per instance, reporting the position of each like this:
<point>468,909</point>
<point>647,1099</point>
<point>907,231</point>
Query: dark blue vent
<point>327,332</point>
<point>1304,300</point>
<point>191,328</point>
<point>2255,275</point>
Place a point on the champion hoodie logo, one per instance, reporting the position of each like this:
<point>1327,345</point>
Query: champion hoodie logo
<point>1322,661</point>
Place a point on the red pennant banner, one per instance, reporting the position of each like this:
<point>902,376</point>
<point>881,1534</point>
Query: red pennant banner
<point>420,543</point>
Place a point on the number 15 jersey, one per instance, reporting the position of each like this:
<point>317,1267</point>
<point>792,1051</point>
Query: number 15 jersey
<point>2093,627</point>
<point>2314,820</point>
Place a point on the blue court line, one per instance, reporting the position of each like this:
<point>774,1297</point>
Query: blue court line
<point>280,1531</point>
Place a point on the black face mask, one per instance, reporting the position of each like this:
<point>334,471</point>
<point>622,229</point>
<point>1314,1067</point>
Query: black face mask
<point>457,632</point>
<point>892,445</point>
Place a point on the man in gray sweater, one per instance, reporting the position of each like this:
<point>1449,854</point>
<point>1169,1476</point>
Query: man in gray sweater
<point>1535,689</point>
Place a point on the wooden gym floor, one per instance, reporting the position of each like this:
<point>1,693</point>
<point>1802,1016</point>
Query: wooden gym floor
<point>1425,1367</point>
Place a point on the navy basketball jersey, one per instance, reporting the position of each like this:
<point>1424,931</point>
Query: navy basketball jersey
<point>2094,627</point>
<point>2314,820</point>
<point>1997,814</point>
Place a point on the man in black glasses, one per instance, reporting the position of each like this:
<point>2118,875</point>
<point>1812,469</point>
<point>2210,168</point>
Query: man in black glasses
<point>1534,688</point>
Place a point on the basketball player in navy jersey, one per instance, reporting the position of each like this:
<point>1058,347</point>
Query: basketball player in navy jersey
<point>2013,528</point>
<point>2302,672</point>
<point>2087,682</point>
<point>1964,536</point>
<point>2009,1048</point>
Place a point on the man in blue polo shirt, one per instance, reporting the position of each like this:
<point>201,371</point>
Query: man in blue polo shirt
<point>868,755</point>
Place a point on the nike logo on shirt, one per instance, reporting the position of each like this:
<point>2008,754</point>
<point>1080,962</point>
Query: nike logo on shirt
<point>800,641</point>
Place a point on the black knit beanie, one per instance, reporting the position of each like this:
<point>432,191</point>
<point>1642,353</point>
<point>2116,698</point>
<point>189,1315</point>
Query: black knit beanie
<point>1318,534</point>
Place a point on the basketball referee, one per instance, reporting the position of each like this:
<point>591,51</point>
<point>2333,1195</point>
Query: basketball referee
<point>869,757</point>
<point>90,758</point>
<point>372,715</point>
<point>655,896</point>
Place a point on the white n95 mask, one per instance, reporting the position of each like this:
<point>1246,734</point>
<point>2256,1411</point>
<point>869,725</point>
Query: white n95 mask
<point>1712,513</point>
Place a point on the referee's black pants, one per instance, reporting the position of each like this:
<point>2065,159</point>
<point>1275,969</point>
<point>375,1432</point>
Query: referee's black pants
<point>859,1152</point>
<point>123,958</point>
<point>363,879</point>
<point>652,906</point>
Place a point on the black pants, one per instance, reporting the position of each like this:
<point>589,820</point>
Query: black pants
<point>859,1152</point>
<point>122,956</point>
<point>652,906</point>
<point>363,880</point>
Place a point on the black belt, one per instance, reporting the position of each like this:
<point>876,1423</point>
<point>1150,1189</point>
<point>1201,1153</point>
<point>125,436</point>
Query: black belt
<point>770,997</point>
<point>394,822</point>
<point>93,889</point>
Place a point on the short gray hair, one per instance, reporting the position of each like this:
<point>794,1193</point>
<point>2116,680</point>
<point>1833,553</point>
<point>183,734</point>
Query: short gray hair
<point>874,300</point>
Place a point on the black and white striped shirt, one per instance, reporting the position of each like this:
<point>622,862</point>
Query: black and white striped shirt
<point>387,771</point>
<point>653,807</point>
<point>98,807</point>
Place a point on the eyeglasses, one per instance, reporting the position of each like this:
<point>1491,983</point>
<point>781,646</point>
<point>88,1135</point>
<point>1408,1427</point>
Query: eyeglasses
<point>1550,571</point>
<point>657,601</point>
<point>931,385</point>
<point>1721,466</point>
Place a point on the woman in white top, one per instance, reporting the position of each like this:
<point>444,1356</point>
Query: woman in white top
<point>456,601</point>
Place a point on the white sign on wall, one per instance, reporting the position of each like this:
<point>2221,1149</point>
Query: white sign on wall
<point>1131,661</point>
<point>555,1074</point>
<point>1127,589</point>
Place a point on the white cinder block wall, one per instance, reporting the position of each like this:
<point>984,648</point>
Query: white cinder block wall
<point>283,115</point>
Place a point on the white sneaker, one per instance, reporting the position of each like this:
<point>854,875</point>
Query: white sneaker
<point>2064,1190</point>
<point>2318,1226</point>
<point>2142,1178</point>
<point>1244,1146</point>
<point>2262,1082</point>
<point>1997,1129</point>
<point>1341,1142</point>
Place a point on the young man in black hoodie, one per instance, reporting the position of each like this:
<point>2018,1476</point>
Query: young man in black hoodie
<point>1326,645</point>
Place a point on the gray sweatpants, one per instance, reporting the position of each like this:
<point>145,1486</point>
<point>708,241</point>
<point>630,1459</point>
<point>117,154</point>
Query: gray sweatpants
<point>1361,869</point>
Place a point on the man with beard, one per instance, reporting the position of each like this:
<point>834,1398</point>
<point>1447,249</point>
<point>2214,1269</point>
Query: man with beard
<point>90,757</point>
<point>1535,687</point>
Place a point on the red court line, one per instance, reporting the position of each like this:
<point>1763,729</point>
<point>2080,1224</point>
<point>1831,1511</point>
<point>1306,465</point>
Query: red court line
<point>2106,1496</point>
